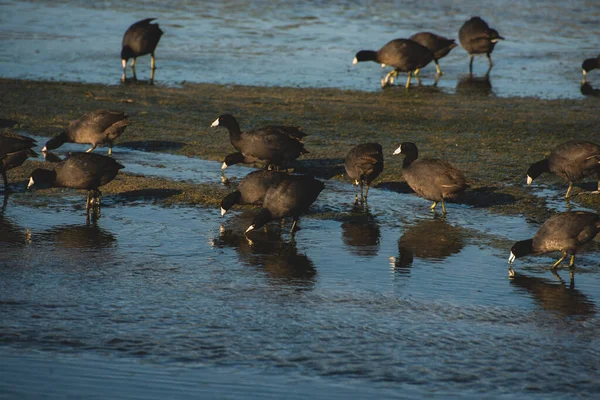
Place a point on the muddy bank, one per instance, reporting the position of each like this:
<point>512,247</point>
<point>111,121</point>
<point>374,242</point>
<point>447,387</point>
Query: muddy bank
<point>492,139</point>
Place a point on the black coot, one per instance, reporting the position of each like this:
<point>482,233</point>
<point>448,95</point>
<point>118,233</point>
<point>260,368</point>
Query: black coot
<point>140,39</point>
<point>79,171</point>
<point>430,178</point>
<point>571,160</point>
<point>439,45</point>
<point>364,163</point>
<point>404,55</point>
<point>237,158</point>
<point>252,189</point>
<point>14,150</point>
<point>276,145</point>
<point>291,198</point>
<point>565,232</point>
<point>476,37</point>
<point>100,127</point>
<point>588,65</point>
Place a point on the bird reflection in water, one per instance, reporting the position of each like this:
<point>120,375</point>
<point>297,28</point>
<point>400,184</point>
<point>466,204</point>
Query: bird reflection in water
<point>474,85</point>
<point>588,90</point>
<point>555,296</point>
<point>428,239</point>
<point>10,232</point>
<point>281,260</point>
<point>87,236</point>
<point>361,233</point>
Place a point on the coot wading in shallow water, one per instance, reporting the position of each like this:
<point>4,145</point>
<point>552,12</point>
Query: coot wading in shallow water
<point>291,198</point>
<point>140,39</point>
<point>79,171</point>
<point>404,55</point>
<point>363,164</point>
<point>14,150</point>
<point>439,45</point>
<point>588,65</point>
<point>276,145</point>
<point>572,161</point>
<point>252,189</point>
<point>476,37</point>
<point>97,128</point>
<point>433,179</point>
<point>565,232</point>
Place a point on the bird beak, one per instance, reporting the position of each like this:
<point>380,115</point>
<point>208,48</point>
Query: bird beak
<point>529,180</point>
<point>250,228</point>
<point>382,65</point>
<point>124,63</point>
<point>44,149</point>
<point>397,151</point>
<point>223,166</point>
<point>223,211</point>
<point>30,184</point>
<point>512,258</point>
<point>216,123</point>
<point>354,61</point>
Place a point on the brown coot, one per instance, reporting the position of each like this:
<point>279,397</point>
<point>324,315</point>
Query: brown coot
<point>276,145</point>
<point>140,39</point>
<point>430,178</point>
<point>252,189</point>
<point>364,163</point>
<point>565,232</point>
<point>571,160</point>
<point>14,150</point>
<point>439,45</point>
<point>291,198</point>
<point>99,127</point>
<point>404,55</point>
<point>476,37</point>
<point>79,171</point>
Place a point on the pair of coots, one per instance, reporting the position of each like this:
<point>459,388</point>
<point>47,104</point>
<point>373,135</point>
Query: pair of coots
<point>572,161</point>
<point>140,39</point>
<point>99,127</point>
<point>80,171</point>
<point>281,195</point>
<point>276,145</point>
<point>14,150</point>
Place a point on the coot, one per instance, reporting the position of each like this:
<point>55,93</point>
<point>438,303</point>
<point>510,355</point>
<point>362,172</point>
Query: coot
<point>439,45</point>
<point>565,232</point>
<point>571,160</point>
<point>99,127</point>
<point>588,65</point>
<point>430,178</point>
<point>476,37</point>
<point>79,171</point>
<point>364,163</point>
<point>14,150</point>
<point>291,198</point>
<point>274,144</point>
<point>404,55</point>
<point>140,39</point>
<point>252,189</point>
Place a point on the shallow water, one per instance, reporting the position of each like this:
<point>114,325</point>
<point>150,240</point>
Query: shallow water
<point>393,302</point>
<point>306,44</point>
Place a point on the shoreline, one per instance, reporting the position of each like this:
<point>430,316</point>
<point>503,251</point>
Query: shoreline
<point>493,140</point>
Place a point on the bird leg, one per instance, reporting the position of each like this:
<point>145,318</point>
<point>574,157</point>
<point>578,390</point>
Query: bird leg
<point>367,192</point>
<point>294,225</point>
<point>88,201</point>
<point>433,206</point>
<point>417,72</point>
<point>489,56</point>
<point>91,149</point>
<point>408,80</point>
<point>572,260</point>
<point>443,206</point>
<point>6,190</point>
<point>564,253</point>
<point>152,62</point>
<point>133,63</point>
<point>438,69</point>
<point>361,191</point>
<point>471,64</point>
<point>569,190</point>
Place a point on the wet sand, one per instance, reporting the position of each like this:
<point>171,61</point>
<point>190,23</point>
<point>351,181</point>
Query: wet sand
<point>493,140</point>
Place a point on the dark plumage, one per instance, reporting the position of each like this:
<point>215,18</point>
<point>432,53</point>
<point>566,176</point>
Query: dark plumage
<point>364,163</point>
<point>79,171</point>
<point>14,150</point>
<point>439,45</point>
<point>476,37</point>
<point>274,144</point>
<point>588,65</point>
<point>290,198</point>
<point>571,160</point>
<point>237,158</point>
<point>252,189</point>
<point>140,39</point>
<point>565,232</point>
<point>430,178</point>
<point>404,55</point>
<point>100,127</point>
